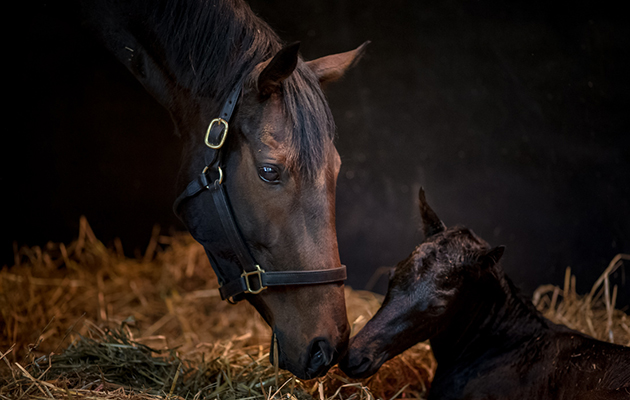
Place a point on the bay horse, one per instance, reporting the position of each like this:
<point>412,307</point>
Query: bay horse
<point>488,341</point>
<point>259,165</point>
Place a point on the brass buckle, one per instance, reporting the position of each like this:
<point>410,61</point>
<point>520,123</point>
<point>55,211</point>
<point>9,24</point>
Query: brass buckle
<point>223,136</point>
<point>258,272</point>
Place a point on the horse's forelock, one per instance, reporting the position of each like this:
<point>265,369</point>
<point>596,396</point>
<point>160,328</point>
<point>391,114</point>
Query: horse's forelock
<point>312,121</point>
<point>310,124</point>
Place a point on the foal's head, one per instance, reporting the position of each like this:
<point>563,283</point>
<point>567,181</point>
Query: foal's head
<point>425,291</point>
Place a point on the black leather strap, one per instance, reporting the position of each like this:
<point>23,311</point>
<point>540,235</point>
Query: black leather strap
<point>196,186</point>
<point>282,278</point>
<point>217,130</point>
<point>232,100</point>
<point>233,233</point>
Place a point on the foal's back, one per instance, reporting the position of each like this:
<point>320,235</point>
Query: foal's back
<point>559,364</point>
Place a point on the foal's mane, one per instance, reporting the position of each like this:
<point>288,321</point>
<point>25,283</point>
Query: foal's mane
<point>210,45</point>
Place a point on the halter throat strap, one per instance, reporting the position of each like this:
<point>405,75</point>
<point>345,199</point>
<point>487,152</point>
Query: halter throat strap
<point>253,278</point>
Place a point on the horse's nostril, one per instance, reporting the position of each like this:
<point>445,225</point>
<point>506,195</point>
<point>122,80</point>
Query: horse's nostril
<point>316,358</point>
<point>321,356</point>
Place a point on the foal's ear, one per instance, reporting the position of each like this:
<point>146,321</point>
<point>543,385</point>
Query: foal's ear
<point>493,256</point>
<point>330,68</point>
<point>279,68</point>
<point>431,224</point>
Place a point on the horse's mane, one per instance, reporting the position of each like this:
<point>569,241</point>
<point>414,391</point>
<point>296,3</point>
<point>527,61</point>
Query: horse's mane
<point>210,45</point>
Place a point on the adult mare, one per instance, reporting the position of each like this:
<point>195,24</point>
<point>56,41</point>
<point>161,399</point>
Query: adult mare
<point>259,166</point>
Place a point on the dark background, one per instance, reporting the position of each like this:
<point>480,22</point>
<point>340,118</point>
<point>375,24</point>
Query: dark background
<point>512,116</point>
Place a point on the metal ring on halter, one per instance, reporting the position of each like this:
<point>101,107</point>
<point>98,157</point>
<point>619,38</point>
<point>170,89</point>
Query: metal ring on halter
<point>222,137</point>
<point>220,180</point>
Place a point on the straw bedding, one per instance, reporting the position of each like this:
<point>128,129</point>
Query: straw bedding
<point>82,321</point>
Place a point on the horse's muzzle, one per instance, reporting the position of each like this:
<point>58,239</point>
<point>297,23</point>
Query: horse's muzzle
<point>320,356</point>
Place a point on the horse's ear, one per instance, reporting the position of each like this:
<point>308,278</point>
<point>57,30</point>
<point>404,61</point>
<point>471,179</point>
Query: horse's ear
<point>493,256</point>
<point>279,68</point>
<point>330,68</point>
<point>431,223</point>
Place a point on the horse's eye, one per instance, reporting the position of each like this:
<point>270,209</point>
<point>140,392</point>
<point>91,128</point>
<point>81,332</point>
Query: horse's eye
<point>269,174</point>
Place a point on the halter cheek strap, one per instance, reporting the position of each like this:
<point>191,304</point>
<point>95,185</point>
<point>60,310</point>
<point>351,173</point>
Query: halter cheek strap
<point>253,279</point>
<point>215,138</point>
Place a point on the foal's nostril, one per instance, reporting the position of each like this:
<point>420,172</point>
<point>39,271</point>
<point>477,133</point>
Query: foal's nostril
<point>321,357</point>
<point>364,365</point>
<point>356,365</point>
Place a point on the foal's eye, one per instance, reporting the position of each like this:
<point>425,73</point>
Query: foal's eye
<point>269,174</point>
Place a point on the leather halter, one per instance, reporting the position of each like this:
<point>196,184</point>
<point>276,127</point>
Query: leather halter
<point>253,279</point>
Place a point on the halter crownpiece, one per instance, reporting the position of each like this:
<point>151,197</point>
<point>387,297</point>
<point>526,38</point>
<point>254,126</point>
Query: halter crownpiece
<point>253,279</point>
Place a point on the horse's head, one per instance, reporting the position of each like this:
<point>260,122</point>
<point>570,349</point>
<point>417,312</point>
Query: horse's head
<point>425,291</point>
<point>274,176</point>
<point>280,167</point>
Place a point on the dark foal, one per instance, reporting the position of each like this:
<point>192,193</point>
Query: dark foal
<point>488,341</point>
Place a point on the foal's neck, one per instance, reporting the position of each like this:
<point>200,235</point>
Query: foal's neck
<point>497,318</point>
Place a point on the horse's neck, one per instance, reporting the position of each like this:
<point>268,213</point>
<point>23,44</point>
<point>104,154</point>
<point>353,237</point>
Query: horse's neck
<point>497,319</point>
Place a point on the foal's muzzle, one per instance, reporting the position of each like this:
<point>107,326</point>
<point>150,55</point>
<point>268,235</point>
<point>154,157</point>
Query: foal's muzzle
<point>359,362</point>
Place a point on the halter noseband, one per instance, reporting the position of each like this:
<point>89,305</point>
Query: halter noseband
<point>215,138</point>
